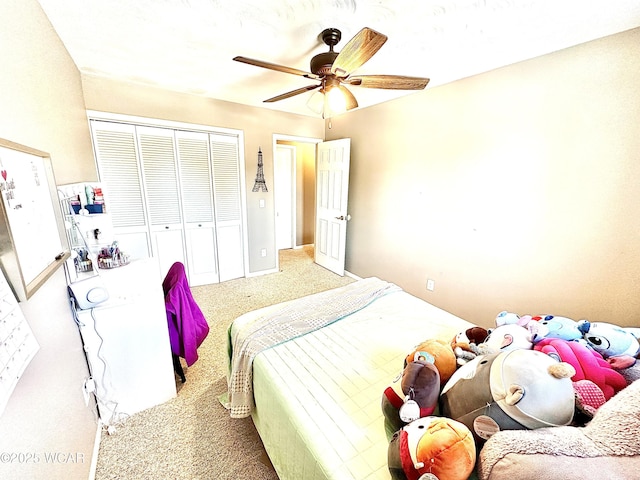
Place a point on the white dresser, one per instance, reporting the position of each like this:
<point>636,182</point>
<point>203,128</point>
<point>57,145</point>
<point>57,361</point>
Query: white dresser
<point>17,343</point>
<point>126,342</point>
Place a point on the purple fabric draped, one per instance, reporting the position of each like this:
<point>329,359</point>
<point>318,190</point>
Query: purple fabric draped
<point>187,326</point>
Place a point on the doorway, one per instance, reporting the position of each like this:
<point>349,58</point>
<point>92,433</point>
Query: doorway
<point>294,185</point>
<point>284,195</point>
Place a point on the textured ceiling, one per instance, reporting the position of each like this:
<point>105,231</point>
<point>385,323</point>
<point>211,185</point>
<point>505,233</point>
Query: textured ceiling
<point>188,45</point>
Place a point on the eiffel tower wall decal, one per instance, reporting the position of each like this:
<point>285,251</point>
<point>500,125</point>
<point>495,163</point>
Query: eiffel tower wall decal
<point>260,184</point>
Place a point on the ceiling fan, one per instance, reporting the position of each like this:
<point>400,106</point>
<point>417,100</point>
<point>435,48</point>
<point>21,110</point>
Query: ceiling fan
<point>333,69</point>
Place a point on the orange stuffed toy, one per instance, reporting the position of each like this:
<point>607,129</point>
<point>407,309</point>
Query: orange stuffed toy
<point>441,355</point>
<point>432,448</point>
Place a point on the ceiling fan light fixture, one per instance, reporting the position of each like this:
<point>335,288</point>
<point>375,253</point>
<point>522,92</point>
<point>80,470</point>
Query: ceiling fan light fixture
<point>331,99</point>
<point>316,102</point>
<point>336,100</point>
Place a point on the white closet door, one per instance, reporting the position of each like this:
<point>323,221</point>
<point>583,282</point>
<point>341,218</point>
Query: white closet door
<point>178,193</point>
<point>116,153</point>
<point>228,205</point>
<point>159,169</point>
<point>197,203</point>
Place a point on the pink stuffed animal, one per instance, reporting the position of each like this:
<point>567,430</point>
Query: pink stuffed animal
<point>591,370</point>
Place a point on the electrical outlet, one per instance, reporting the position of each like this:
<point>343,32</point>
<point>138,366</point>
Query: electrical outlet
<point>90,385</point>
<point>89,388</point>
<point>263,252</point>
<point>431,284</point>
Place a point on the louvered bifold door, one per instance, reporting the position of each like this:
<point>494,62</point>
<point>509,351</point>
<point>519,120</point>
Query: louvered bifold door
<point>197,207</point>
<point>159,169</point>
<point>116,154</point>
<point>228,205</point>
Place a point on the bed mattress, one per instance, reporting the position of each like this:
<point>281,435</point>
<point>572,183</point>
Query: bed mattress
<point>318,397</point>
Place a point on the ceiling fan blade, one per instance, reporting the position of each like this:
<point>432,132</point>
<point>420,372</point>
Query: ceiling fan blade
<point>276,67</point>
<point>389,82</point>
<point>292,93</point>
<point>357,51</point>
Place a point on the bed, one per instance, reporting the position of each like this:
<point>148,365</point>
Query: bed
<point>318,396</point>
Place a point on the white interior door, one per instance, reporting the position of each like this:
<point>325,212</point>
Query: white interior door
<point>168,246</point>
<point>228,205</point>
<point>158,161</point>
<point>332,193</point>
<point>119,170</point>
<point>197,203</point>
<point>284,193</point>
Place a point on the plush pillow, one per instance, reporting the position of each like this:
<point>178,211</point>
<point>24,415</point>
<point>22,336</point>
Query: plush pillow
<point>516,389</point>
<point>441,354</point>
<point>433,447</point>
<point>588,363</point>
<point>607,447</point>
<point>415,395</point>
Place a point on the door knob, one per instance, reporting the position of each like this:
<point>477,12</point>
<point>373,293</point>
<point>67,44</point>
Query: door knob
<point>341,217</point>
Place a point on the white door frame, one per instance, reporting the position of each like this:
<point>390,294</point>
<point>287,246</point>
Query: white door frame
<point>289,138</point>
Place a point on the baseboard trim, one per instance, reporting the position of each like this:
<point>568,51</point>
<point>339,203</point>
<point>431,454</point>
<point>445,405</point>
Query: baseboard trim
<point>96,450</point>
<point>352,275</point>
<point>261,272</point>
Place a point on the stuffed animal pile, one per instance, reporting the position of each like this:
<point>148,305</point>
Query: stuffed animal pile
<point>528,372</point>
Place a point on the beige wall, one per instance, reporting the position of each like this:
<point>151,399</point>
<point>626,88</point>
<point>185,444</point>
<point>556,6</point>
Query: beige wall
<point>43,108</point>
<point>518,189</point>
<point>258,124</point>
<point>40,87</point>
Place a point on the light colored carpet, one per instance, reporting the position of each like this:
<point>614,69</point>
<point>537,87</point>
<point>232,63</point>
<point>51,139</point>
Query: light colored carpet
<point>192,437</point>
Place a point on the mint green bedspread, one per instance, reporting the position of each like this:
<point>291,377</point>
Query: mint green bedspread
<point>318,397</point>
